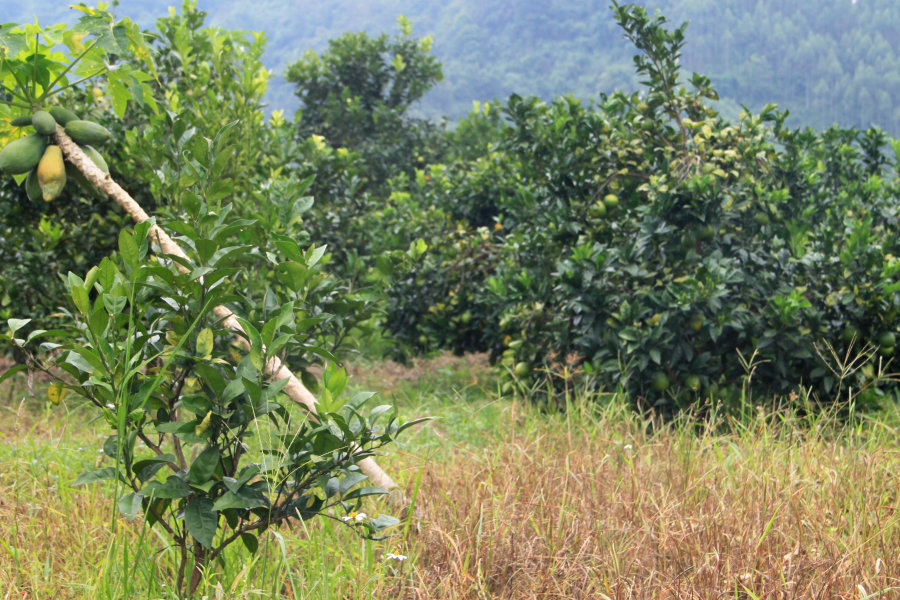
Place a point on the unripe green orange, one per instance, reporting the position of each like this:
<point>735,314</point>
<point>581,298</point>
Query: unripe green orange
<point>692,382</point>
<point>849,334</point>
<point>707,233</point>
<point>598,210</point>
<point>761,219</point>
<point>660,382</point>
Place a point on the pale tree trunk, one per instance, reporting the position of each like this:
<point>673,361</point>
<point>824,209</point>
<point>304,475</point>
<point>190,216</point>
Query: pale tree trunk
<point>295,388</point>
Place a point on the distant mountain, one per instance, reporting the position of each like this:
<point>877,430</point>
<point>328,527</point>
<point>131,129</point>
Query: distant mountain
<point>827,60</point>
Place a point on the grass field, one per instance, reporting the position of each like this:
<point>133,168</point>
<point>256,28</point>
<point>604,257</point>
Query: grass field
<point>511,503</point>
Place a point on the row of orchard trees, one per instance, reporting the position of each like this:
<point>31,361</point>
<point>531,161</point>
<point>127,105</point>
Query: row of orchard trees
<point>643,240</point>
<point>657,246</point>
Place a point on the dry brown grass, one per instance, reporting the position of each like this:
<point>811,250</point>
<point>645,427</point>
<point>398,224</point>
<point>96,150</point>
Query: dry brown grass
<point>557,512</point>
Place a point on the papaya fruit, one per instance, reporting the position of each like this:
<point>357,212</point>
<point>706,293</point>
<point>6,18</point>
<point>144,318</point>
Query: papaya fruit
<point>85,132</point>
<point>72,172</point>
<point>43,122</point>
<point>62,116</point>
<point>32,187</point>
<point>23,121</point>
<point>51,173</point>
<point>23,155</point>
<point>96,158</point>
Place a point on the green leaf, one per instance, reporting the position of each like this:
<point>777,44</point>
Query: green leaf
<point>12,42</point>
<point>201,520</point>
<point>103,474</point>
<point>315,255</point>
<point>332,487</point>
<point>17,324</point>
<point>147,468</point>
<point>366,491</point>
<point>12,371</point>
<point>107,274</point>
<point>256,346</point>
<point>383,522</point>
<point>292,274</point>
<point>99,321</point>
<point>204,465</point>
<point>77,361</point>
<point>81,300</point>
<point>350,480</point>
<point>205,343</point>
<point>191,203</point>
<point>130,505</point>
<point>128,248</point>
<point>244,498</point>
<point>220,190</point>
<point>199,405</point>
<point>174,488</point>
<point>250,541</point>
<point>114,305</point>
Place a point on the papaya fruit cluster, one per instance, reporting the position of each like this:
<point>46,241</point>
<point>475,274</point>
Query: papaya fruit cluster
<point>43,161</point>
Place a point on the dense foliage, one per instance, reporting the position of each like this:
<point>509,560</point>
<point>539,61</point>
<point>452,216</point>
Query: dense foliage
<point>643,241</point>
<point>658,246</point>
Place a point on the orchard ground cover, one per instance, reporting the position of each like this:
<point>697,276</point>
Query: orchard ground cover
<point>510,503</point>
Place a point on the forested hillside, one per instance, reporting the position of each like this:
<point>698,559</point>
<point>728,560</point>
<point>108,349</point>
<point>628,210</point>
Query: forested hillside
<point>826,60</point>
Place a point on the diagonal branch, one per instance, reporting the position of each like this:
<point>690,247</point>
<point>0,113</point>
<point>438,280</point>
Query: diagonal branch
<point>274,368</point>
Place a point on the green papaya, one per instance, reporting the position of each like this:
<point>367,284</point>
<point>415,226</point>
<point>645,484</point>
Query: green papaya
<point>96,158</point>
<point>72,172</point>
<point>51,173</point>
<point>32,187</point>
<point>43,122</point>
<point>85,132</point>
<point>62,116</point>
<point>22,155</point>
<point>23,121</point>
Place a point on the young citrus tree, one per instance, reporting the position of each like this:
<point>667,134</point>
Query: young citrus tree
<point>183,352</point>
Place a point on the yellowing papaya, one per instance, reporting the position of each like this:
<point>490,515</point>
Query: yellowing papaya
<point>22,155</point>
<point>63,116</point>
<point>32,187</point>
<point>43,122</point>
<point>96,158</point>
<point>23,121</point>
<point>85,132</point>
<point>51,173</point>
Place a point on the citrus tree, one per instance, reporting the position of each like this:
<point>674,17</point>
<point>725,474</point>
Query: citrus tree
<point>650,245</point>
